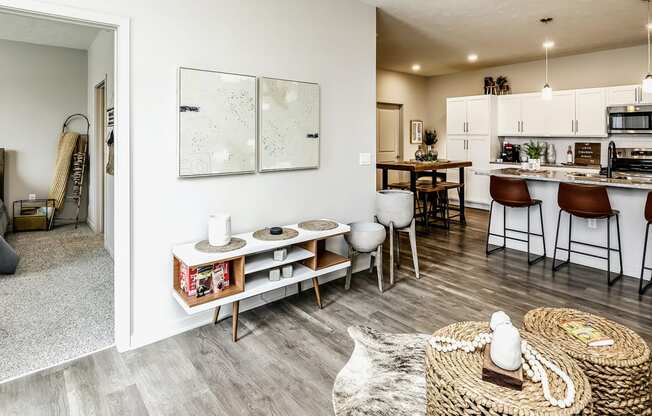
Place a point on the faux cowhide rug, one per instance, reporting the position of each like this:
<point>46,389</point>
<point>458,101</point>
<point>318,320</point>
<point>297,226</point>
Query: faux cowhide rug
<point>384,376</point>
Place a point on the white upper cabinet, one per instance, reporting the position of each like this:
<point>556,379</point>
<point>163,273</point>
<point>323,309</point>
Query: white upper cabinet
<point>533,115</point>
<point>560,114</point>
<point>627,94</point>
<point>468,116</point>
<point>456,116</point>
<point>590,113</point>
<point>509,115</point>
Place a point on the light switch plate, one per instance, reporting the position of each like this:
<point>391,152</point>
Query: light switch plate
<point>365,159</point>
<point>593,223</point>
<point>32,197</point>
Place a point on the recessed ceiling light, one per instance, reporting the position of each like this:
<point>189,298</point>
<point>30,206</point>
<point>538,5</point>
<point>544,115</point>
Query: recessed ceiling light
<point>416,67</point>
<point>548,44</point>
<point>472,57</point>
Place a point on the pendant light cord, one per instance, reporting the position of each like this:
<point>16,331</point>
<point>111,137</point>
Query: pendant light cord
<point>647,28</point>
<point>547,59</point>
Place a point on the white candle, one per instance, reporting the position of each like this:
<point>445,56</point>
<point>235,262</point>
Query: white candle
<point>219,229</point>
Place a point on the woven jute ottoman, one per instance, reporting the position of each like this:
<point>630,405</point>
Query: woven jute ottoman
<point>454,383</point>
<point>620,375</point>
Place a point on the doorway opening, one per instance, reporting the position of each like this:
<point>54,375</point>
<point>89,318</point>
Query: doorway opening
<point>389,138</point>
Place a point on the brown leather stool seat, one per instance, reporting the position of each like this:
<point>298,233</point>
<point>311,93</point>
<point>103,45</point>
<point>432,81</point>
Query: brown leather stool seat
<point>513,193</point>
<point>590,202</point>
<point>648,217</point>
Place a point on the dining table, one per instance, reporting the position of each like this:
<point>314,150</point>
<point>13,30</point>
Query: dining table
<point>435,168</point>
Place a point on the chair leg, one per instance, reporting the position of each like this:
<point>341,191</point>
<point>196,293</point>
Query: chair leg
<point>487,250</point>
<point>379,267</point>
<point>491,211</point>
<point>398,249</point>
<point>372,261</point>
<point>642,289</point>
<point>537,259</point>
<point>556,267</point>
<point>413,247</point>
<point>543,233</point>
<point>349,271</point>
<point>391,253</point>
<point>611,281</point>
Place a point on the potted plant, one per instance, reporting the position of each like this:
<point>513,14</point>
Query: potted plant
<point>534,152</point>
<point>430,139</point>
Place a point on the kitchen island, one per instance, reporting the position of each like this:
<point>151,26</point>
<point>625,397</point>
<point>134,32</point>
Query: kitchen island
<point>627,194</point>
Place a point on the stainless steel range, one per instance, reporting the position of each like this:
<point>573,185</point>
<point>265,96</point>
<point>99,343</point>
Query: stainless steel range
<point>631,162</point>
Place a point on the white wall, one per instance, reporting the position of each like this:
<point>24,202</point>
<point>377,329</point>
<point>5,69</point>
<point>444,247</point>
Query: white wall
<point>332,43</point>
<point>39,87</point>
<point>100,66</point>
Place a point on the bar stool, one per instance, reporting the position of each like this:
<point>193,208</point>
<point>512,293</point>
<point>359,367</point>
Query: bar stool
<point>513,193</point>
<point>590,202</point>
<point>648,218</point>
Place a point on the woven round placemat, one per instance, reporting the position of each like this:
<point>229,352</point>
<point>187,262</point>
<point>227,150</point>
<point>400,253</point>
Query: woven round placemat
<point>265,235</point>
<point>454,383</point>
<point>620,375</point>
<point>234,244</point>
<point>318,225</point>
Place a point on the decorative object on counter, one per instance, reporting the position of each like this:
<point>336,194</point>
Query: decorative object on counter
<point>287,271</point>
<point>280,254</point>
<point>506,342</point>
<point>587,153</point>
<point>219,229</point>
<point>619,374</point>
<point>275,274</point>
<point>420,154</point>
<point>490,86</point>
<point>366,237</point>
<point>551,154</point>
<point>416,131</point>
<point>266,234</point>
<point>276,230</point>
<point>395,210</point>
<point>217,123</point>
<point>430,139</point>
<point>534,152</point>
<point>502,85</point>
<point>234,244</point>
<point>569,156</point>
<point>289,125</point>
<point>522,154</point>
<point>318,225</point>
<point>555,384</point>
<point>384,375</point>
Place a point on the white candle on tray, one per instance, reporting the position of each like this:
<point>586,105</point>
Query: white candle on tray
<point>219,229</point>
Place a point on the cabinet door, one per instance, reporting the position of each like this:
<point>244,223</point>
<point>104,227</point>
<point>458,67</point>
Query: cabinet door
<point>509,116</point>
<point>456,116</point>
<point>533,115</point>
<point>591,113</point>
<point>644,97</point>
<point>627,94</point>
<point>477,116</point>
<point>477,186</point>
<point>560,114</point>
<point>455,150</point>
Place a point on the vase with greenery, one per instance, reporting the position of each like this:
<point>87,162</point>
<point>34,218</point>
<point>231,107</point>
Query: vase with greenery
<point>430,139</point>
<point>534,152</point>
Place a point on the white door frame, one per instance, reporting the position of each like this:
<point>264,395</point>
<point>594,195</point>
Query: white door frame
<point>99,139</point>
<point>122,200</point>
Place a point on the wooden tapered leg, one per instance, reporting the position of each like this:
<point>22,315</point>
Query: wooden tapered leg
<point>349,271</point>
<point>315,285</point>
<point>234,329</point>
<point>216,314</point>
<point>391,253</point>
<point>379,267</point>
<point>413,247</point>
<point>398,249</point>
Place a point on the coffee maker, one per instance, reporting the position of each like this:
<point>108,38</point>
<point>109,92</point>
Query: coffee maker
<point>510,152</point>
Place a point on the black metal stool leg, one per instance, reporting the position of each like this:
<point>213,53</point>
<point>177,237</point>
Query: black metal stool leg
<point>537,259</point>
<point>543,233</point>
<point>642,289</point>
<point>611,281</point>
<point>570,239</point>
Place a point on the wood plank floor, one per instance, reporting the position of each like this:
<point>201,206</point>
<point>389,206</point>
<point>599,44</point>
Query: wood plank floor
<point>290,352</point>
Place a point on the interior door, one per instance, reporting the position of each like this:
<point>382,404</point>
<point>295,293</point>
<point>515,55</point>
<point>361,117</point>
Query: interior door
<point>533,115</point>
<point>509,116</point>
<point>591,113</point>
<point>456,116</point>
<point>623,95</point>
<point>388,139</point>
<point>477,186</point>
<point>477,116</point>
<point>560,114</point>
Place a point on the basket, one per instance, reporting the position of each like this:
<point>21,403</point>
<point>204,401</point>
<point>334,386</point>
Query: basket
<point>620,375</point>
<point>454,384</point>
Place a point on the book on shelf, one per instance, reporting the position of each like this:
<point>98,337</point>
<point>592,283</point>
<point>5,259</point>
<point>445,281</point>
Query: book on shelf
<point>204,280</point>
<point>585,332</point>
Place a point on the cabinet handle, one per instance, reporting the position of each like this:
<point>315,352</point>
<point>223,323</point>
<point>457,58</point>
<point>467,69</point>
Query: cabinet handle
<point>573,126</point>
<point>577,126</point>
<point>522,126</point>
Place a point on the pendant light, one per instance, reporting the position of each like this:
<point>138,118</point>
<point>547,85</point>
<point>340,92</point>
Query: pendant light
<point>546,92</point>
<point>647,81</point>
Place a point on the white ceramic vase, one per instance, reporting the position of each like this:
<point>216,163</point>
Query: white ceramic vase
<point>395,206</point>
<point>219,229</point>
<point>365,237</point>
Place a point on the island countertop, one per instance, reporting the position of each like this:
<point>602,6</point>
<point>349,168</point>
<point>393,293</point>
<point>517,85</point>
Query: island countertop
<point>619,180</point>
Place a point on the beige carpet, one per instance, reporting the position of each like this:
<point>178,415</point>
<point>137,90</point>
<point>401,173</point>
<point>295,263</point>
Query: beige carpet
<point>59,304</point>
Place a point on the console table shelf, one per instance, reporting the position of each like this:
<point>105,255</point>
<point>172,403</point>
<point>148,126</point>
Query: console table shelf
<point>249,267</point>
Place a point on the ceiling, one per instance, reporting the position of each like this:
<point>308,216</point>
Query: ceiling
<point>46,32</point>
<point>439,34</point>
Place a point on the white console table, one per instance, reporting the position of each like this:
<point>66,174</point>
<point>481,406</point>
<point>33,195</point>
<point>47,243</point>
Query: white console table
<point>249,268</point>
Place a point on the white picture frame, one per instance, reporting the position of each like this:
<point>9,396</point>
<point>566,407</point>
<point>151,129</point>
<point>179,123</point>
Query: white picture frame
<point>289,125</point>
<point>217,123</point>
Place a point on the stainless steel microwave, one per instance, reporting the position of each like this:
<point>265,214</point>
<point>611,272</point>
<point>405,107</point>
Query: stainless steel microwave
<point>630,119</point>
